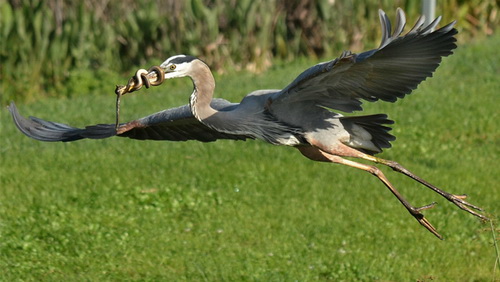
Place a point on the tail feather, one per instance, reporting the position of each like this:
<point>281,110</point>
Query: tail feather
<point>376,127</point>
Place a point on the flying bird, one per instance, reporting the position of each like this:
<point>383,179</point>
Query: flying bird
<point>303,115</point>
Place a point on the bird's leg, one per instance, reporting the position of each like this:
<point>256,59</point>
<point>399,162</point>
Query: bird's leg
<point>319,155</point>
<point>458,200</point>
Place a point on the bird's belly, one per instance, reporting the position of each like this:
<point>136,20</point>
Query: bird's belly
<point>329,132</point>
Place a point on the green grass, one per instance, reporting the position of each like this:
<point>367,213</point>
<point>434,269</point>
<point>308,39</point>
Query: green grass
<point>120,209</point>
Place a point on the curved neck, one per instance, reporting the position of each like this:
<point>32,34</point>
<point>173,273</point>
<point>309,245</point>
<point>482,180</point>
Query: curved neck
<point>204,86</point>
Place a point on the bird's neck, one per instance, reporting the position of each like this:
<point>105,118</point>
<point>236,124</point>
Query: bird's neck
<point>204,86</point>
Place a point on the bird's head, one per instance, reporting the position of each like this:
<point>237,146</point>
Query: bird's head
<point>178,66</point>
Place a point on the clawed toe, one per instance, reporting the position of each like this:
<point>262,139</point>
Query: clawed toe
<point>429,227</point>
<point>459,200</point>
<point>430,206</point>
<point>415,212</point>
<point>424,222</point>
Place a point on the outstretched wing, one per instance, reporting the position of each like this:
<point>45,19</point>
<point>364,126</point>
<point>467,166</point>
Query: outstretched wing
<point>177,124</point>
<point>389,72</point>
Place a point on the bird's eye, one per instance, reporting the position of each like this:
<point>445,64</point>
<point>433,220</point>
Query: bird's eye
<point>172,67</point>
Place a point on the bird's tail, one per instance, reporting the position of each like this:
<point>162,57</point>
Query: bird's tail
<point>49,131</point>
<point>378,133</point>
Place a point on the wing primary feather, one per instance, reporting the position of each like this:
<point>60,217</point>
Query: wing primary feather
<point>48,131</point>
<point>418,24</point>
<point>400,23</point>
<point>385,26</point>
<point>429,28</point>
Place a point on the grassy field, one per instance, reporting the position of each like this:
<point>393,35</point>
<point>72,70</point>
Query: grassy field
<point>120,209</point>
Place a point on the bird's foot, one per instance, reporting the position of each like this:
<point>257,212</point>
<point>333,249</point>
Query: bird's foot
<point>416,213</point>
<point>459,201</point>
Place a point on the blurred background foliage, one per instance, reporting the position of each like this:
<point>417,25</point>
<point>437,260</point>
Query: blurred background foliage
<point>65,48</point>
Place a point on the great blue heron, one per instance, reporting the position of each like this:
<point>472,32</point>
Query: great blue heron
<point>301,114</point>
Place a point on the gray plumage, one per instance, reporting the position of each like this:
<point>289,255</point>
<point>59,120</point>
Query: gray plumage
<point>302,114</point>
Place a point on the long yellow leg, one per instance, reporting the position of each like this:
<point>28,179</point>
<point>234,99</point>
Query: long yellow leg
<point>318,155</point>
<point>335,154</point>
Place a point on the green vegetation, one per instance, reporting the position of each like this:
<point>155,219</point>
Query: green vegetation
<point>62,48</point>
<point>119,209</point>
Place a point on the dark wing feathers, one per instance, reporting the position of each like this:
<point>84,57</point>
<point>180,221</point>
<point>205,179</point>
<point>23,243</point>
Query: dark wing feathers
<point>387,73</point>
<point>42,130</point>
<point>177,124</point>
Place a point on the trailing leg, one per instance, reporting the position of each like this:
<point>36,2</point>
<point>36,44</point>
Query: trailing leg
<point>318,155</point>
<point>346,151</point>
